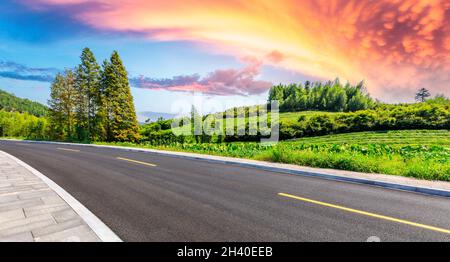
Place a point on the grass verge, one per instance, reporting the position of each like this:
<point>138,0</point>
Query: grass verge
<point>422,154</point>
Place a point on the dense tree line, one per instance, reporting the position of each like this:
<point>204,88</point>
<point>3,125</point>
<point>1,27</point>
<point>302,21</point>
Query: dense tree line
<point>432,114</point>
<point>330,96</point>
<point>429,115</point>
<point>93,103</point>
<point>11,103</point>
<point>15,124</point>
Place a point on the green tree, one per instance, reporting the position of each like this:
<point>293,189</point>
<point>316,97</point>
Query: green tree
<point>68,100</point>
<point>88,88</point>
<point>63,99</point>
<point>422,95</point>
<point>276,93</point>
<point>330,96</point>
<point>56,114</point>
<point>117,102</point>
<point>16,124</point>
<point>357,102</point>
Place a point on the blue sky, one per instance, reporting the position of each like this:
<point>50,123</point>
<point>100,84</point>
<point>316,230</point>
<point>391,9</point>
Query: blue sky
<point>230,51</point>
<point>46,42</point>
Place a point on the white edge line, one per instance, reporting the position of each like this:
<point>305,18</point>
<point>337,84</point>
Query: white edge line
<point>100,229</point>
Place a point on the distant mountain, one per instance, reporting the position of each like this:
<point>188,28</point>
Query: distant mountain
<point>153,116</point>
<point>12,103</point>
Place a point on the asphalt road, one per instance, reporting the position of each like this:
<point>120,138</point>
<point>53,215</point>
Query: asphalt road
<point>149,197</point>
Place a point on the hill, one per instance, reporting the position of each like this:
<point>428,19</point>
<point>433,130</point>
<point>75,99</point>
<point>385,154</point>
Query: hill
<point>431,115</point>
<point>12,103</point>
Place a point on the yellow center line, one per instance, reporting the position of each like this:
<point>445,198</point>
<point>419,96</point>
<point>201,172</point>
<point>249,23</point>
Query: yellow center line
<point>392,219</point>
<point>137,162</point>
<point>68,149</point>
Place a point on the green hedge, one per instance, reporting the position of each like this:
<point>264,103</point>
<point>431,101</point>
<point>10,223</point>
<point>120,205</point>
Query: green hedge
<point>427,115</point>
<point>383,117</point>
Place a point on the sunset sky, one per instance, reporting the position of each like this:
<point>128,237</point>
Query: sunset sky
<point>230,50</point>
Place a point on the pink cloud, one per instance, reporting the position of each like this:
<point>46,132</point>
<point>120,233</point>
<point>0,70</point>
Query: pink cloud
<point>219,82</point>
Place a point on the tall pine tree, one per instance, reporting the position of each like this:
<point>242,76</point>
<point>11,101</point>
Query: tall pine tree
<point>119,108</point>
<point>88,87</point>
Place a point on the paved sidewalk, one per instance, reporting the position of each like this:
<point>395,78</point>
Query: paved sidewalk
<point>31,211</point>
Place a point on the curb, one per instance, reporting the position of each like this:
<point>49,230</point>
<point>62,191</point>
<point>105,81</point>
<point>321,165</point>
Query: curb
<point>267,167</point>
<point>103,232</point>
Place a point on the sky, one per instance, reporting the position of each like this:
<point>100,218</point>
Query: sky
<point>230,52</point>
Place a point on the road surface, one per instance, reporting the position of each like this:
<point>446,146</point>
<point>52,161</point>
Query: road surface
<point>150,197</point>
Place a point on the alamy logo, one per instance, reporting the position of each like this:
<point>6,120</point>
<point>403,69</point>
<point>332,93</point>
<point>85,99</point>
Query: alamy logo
<point>257,121</point>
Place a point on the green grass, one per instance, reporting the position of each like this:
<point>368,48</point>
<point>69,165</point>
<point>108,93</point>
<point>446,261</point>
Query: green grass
<point>423,154</point>
<point>292,117</point>
<point>285,117</point>
<point>408,137</point>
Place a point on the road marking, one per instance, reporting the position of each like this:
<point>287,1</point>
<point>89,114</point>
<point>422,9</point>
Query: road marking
<point>68,149</point>
<point>137,162</point>
<point>22,144</point>
<point>392,219</point>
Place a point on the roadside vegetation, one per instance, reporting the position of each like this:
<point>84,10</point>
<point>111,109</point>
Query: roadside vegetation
<point>432,114</point>
<point>405,139</point>
<point>423,154</point>
<point>24,125</point>
<point>327,125</point>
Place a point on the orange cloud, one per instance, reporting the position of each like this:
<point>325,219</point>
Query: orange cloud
<point>397,46</point>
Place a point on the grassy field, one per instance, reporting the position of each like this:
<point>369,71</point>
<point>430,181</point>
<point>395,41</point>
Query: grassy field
<point>423,154</point>
<point>403,137</point>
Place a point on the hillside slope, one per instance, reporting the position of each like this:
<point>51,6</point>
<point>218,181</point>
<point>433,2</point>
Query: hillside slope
<point>12,103</point>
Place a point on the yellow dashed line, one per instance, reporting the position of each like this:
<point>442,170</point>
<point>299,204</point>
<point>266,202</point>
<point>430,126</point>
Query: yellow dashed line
<point>68,149</point>
<point>392,219</point>
<point>137,162</point>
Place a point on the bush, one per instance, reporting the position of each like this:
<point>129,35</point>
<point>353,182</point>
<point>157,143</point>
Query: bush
<point>15,124</point>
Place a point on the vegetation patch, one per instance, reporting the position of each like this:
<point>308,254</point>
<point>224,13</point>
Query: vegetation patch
<point>422,154</point>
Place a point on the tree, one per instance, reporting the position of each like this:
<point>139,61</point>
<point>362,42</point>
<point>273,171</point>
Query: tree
<point>422,95</point>
<point>88,88</point>
<point>56,114</point>
<point>69,99</point>
<point>276,93</point>
<point>118,103</point>
<point>329,96</point>
<point>357,102</point>
<point>63,98</point>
